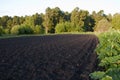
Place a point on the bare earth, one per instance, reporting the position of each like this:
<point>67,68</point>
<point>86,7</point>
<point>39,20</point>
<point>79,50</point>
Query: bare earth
<point>52,57</point>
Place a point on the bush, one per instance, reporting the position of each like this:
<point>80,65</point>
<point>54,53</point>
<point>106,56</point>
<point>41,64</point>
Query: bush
<point>103,26</point>
<point>60,28</point>
<point>15,29</point>
<point>67,27</point>
<point>1,30</point>
<point>116,21</point>
<point>21,29</point>
<point>38,30</point>
<point>7,31</point>
<point>25,29</point>
<point>109,55</point>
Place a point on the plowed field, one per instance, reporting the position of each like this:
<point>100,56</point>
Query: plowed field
<point>51,57</point>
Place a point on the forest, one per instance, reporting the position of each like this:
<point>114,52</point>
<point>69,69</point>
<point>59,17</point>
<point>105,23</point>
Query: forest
<point>54,20</point>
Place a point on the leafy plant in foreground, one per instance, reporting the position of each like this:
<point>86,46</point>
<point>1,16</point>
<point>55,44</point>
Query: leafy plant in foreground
<point>109,55</point>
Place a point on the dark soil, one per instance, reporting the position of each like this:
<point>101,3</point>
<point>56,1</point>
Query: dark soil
<point>52,57</point>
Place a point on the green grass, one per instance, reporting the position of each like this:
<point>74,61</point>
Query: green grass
<point>12,36</point>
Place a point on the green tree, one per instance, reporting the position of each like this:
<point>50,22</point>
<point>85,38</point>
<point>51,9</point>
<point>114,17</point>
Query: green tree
<point>21,29</point>
<point>4,20</point>
<point>52,18</point>
<point>67,16</point>
<point>47,21</point>
<point>37,19</point>
<point>66,27</point>
<point>15,29</point>
<point>103,25</point>
<point>16,20</point>
<point>89,23</point>
<point>116,21</point>
<point>75,16</point>
<point>25,29</point>
<point>98,16</point>
<point>22,19</point>
<point>79,18</point>
<point>38,29</point>
<point>109,17</point>
<point>60,28</point>
<point>1,30</point>
<point>29,20</point>
<point>9,23</point>
<point>0,21</point>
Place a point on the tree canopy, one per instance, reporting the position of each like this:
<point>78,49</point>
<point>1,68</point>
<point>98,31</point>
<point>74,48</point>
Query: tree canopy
<point>55,20</point>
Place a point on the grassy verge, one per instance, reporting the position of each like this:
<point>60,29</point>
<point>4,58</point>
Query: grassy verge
<point>11,36</point>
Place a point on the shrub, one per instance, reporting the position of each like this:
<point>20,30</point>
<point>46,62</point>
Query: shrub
<point>25,29</point>
<point>38,29</point>
<point>21,29</point>
<point>15,29</point>
<point>103,26</point>
<point>7,31</point>
<point>60,28</point>
<point>109,55</point>
<point>1,30</point>
<point>67,27</point>
<point>116,21</point>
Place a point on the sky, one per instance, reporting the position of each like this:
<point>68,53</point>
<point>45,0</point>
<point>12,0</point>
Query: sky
<point>30,7</point>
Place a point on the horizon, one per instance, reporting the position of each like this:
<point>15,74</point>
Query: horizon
<point>30,7</point>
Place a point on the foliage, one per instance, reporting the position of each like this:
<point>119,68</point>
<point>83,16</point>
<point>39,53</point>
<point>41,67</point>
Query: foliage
<point>25,29</point>
<point>76,21</point>
<point>7,31</point>
<point>98,16</point>
<point>60,28</point>
<point>3,21</point>
<point>109,55</point>
<point>15,29</point>
<point>21,29</point>
<point>52,18</point>
<point>97,75</point>
<point>1,30</point>
<point>38,29</point>
<point>67,27</point>
<point>107,78</point>
<point>116,22</point>
<point>103,25</point>
<point>81,20</point>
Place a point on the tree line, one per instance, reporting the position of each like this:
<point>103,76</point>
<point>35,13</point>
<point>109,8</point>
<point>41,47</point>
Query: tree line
<point>57,21</point>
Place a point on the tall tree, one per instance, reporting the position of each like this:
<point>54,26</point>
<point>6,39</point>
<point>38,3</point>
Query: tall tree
<point>4,20</point>
<point>75,16</point>
<point>109,17</point>
<point>22,19</point>
<point>103,25</point>
<point>10,23</point>
<point>78,18</point>
<point>116,21</point>
<point>29,20</point>
<point>47,20</point>
<point>98,16</point>
<point>67,16</point>
<point>51,18</point>
<point>37,19</point>
<point>89,23</point>
<point>16,20</point>
<point>0,21</point>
